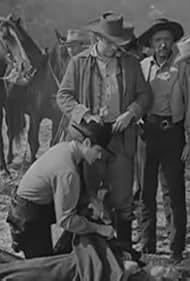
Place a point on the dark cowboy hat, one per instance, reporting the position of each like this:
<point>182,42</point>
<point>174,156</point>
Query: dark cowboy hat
<point>161,24</point>
<point>99,134</point>
<point>112,27</point>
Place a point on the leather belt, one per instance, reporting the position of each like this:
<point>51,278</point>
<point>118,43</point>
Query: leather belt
<point>164,122</point>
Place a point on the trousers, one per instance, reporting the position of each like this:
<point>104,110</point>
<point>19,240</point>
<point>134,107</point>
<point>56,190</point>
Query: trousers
<point>30,226</point>
<point>117,173</point>
<point>164,147</point>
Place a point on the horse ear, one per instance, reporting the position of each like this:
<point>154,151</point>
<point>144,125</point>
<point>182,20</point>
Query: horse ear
<point>19,21</point>
<point>61,39</point>
<point>10,17</point>
<point>14,18</point>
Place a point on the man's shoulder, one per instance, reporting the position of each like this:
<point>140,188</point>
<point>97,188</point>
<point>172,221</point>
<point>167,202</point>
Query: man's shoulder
<point>130,61</point>
<point>147,61</point>
<point>129,57</point>
<point>57,151</point>
<point>82,55</point>
<point>146,65</point>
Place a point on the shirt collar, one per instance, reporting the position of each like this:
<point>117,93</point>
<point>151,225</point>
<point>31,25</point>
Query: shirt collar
<point>76,153</point>
<point>167,63</point>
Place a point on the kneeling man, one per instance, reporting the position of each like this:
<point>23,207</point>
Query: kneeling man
<point>50,191</point>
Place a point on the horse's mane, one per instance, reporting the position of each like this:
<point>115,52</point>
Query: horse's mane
<point>31,48</point>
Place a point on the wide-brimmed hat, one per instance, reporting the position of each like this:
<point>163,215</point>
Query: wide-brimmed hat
<point>112,27</point>
<point>183,49</point>
<point>161,24</point>
<point>99,134</point>
<point>75,36</point>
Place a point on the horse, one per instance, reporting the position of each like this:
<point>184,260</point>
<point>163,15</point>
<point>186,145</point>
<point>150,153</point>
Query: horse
<point>3,101</point>
<point>38,97</point>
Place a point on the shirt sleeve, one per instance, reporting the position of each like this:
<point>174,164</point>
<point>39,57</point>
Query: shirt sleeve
<point>68,92</point>
<point>66,199</point>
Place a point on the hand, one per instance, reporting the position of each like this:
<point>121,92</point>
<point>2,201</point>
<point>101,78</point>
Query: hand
<point>130,268</point>
<point>97,208</point>
<point>90,117</point>
<point>186,152</point>
<point>123,121</point>
<point>104,111</point>
<point>106,231</point>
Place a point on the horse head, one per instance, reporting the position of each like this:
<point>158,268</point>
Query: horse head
<point>23,55</point>
<point>58,57</point>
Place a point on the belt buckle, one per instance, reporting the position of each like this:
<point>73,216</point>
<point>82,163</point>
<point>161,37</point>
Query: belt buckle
<point>165,124</point>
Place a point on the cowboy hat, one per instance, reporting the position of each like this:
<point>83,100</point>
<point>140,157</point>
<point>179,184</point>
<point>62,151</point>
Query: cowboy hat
<point>161,24</point>
<point>183,48</point>
<point>99,134</point>
<point>75,36</point>
<point>112,27</point>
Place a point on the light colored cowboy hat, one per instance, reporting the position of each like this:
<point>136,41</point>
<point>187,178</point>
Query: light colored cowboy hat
<point>112,27</point>
<point>75,36</point>
<point>183,48</point>
<point>161,24</point>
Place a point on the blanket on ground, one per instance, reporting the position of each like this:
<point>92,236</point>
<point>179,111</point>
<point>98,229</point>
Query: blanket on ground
<point>92,259</point>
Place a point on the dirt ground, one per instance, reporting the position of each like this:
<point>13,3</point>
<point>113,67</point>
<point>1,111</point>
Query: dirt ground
<point>17,169</point>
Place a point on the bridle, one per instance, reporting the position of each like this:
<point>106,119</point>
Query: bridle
<point>53,74</point>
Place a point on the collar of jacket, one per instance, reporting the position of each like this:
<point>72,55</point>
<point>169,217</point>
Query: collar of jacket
<point>168,62</point>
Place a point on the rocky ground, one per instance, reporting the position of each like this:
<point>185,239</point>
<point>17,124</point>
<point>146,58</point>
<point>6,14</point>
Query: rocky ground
<point>19,167</point>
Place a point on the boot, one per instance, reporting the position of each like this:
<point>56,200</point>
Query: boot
<point>124,236</point>
<point>124,232</point>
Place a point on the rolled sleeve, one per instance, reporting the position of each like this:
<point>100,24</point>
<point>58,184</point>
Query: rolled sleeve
<point>66,201</point>
<point>66,196</point>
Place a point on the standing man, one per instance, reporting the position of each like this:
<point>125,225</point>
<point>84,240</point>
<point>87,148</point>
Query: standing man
<point>104,83</point>
<point>50,192</point>
<point>165,134</point>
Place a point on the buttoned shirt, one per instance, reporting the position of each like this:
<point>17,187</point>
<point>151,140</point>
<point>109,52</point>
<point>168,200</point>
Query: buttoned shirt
<point>105,85</point>
<point>55,177</point>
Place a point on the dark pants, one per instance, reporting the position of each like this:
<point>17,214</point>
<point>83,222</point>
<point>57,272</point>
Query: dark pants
<point>30,226</point>
<point>37,240</point>
<point>164,147</point>
<point>117,172</point>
